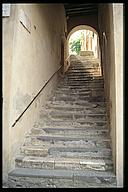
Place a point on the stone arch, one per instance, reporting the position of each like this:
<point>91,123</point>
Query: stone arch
<point>81,27</point>
<point>86,27</point>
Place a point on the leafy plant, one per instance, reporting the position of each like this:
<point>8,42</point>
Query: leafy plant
<point>75,46</point>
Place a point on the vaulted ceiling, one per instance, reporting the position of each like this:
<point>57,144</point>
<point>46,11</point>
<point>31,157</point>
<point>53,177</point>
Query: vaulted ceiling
<point>80,9</point>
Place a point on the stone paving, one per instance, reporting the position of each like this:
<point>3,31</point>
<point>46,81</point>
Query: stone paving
<point>70,147</point>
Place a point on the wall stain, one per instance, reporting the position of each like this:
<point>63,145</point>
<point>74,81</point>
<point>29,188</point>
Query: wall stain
<point>21,101</point>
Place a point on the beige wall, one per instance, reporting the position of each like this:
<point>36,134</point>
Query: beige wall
<point>111,24</point>
<point>7,44</point>
<point>29,60</point>
<point>118,39</point>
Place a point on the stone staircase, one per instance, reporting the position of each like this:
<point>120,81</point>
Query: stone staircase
<point>70,146</point>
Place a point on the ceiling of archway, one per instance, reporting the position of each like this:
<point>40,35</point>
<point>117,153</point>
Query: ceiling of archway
<point>80,9</point>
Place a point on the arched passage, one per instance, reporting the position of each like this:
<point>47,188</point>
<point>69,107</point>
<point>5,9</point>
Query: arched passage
<point>84,27</point>
<point>75,29</point>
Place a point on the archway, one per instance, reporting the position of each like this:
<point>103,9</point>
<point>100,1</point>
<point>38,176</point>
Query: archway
<point>75,29</point>
<point>87,28</point>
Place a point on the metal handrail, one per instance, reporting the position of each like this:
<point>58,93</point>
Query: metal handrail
<point>35,97</point>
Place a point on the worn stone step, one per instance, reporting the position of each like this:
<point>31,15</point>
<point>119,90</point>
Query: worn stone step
<point>74,99</point>
<point>79,90</point>
<point>46,122</point>
<point>81,81</point>
<point>84,72</point>
<point>69,152</point>
<point>85,68</point>
<point>79,94</point>
<point>63,163</point>
<point>70,111</point>
<point>87,134</point>
<point>80,152</point>
<point>73,117</point>
<point>64,132</point>
<point>93,104</point>
<point>69,97</point>
<point>95,117</point>
<point>86,75</point>
<point>80,87</point>
<point>73,109</point>
<point>94,69</point>
<point>82,78</point>
<point>84,65</point>
<point>80,75</point>
<point>43,178</point>
<point>75,130</point>
<point>88,143</point>
<point>35,151</point>
<point>67,138</point>
<point>87,103</point>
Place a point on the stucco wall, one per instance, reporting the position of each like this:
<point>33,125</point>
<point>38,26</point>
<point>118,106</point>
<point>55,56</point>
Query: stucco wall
<point>29,59</point>
<point>119,47</point>
<point>7,44</point>
<point>111,35</point>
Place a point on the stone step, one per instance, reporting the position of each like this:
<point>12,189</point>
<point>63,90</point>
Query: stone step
<point>79,103</point>
<point>83,72</point>
<point>67,138</point>
<point>81,83</point>
<point>60,133</point>
<point>63,163</point>
<point>83,76</point>
<point>94,69</point>
<point>60,142</point>
<point>80,152</point>
<point>74,109</point>
<point>79,95</point>
<point>84,65</point>
<point>67,152</point>
<point>43,178</point>
<point>64,132</point>
<point>75,117</point>
<point>80,87</point>
<point>78,121</point>
<point>82,79</point>
<point>86,73</point>
<point>47,122</point>
<point>74,130</point>
<point>34,150</point>
<point>76,99</point>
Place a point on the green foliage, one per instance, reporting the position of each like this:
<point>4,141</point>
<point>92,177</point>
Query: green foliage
<point>76,46</point>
